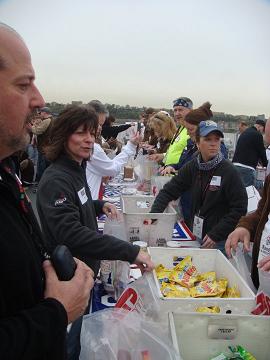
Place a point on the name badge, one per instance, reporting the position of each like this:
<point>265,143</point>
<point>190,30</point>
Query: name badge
<point>198,227</point>
<point>215,181</point>
<point>82,196</point>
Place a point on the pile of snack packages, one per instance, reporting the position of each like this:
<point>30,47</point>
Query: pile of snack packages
<point>184,280</point>
<point>237,353</point>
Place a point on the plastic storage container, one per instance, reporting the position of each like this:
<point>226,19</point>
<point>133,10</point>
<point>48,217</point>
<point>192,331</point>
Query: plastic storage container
<point>136,210</point>
<point>203,336</point>
<point>204,260</point>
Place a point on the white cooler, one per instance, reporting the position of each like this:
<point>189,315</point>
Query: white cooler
<point>202,336</point>
<point>204,260</point>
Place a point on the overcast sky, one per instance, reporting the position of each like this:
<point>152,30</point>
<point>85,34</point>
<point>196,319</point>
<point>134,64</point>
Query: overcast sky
<point>148,52</point>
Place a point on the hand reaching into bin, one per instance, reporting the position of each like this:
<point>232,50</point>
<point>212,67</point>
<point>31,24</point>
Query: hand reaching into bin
<point>144,262</point>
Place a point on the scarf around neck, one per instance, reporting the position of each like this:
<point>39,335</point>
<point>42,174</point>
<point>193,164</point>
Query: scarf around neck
<point>209,165</point>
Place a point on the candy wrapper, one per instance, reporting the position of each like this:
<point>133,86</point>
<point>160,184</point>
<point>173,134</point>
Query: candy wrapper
<point>163,273</point>
<point>174,291</point>
<point>232,292</point>
<point>185,273</point>
<point>209,289</point>
<point>207,276</point>
<point>241,353</point>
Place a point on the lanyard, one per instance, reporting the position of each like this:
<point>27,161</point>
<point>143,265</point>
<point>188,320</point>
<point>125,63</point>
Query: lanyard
<point>23,199</point>
<point>178,132</point>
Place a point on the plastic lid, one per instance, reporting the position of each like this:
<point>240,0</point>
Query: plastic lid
<point>173,244</point>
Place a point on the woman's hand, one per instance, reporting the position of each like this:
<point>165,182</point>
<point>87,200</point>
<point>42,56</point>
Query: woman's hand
<point>110,210</point>
<point>208,243</point>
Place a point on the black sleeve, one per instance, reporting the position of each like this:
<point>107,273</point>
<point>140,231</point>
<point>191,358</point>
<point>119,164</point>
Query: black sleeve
<point>62,223</point>
<point>236,196</point>
<point>112,131</point>
<point>98,204</point>
<point>261,150</point>
<point>34,332</point>
<point>174,188</point>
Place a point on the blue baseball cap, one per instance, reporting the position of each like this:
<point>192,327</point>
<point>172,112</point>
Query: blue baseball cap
<point>208,126</point>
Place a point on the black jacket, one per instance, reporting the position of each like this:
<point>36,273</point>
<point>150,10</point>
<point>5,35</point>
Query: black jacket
<point>222,206</point>
<point>67,219</point>
<point>112,131</point>
<point>30,327</point>
<point>250,148</point>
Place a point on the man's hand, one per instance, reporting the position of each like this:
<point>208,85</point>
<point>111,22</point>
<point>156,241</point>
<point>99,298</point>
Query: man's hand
<point>264,264</point>
<point>110,210</point>
<point>168,170</point>
<point>156,157</point>
<point>208,243</point>
<point>74,294</point>
<point>143,260</point>
<point>240,234</point>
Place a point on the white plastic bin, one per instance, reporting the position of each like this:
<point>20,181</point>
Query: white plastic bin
<point>204,260</point>
<point>203,336</point>
<point>136,210</point>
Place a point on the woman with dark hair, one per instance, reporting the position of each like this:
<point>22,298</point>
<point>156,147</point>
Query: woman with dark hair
<point>218,197</point>
<point>66,209</point>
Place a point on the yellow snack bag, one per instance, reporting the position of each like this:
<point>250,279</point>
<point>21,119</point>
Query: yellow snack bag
<point>222,286</point>
<point>232,292</point>
<point>204,289</point>
<point>207,276</point>
<point>208,309</point>
<point>162,273</point>
<point>174,291</point>
<point>185,273</point>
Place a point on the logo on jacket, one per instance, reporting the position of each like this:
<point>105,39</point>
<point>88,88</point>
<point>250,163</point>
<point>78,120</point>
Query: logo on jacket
<point>60,201</point>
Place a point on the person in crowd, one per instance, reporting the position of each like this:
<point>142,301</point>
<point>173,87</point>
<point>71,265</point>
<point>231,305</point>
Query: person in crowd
<point>181,107</point>
<point>249,151</point>
<point>41,129</point>
<point>192,121</point>
<point>149,138</point>
<point>109,131</point>
<point>242,126</point>
<point>255,227</point>
<point>218,196</point>
<point>164,129</point>
<point>65,206</point>
<point>64,202</point>
<point>100,165</point>
<point>35,307</point>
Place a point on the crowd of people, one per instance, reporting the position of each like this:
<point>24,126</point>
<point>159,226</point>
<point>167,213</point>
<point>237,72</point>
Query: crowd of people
<point>69,156</point>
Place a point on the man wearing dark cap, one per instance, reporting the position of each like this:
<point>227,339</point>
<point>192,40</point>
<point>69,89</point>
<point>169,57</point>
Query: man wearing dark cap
<point>181,107</point>
<point>249,151</point>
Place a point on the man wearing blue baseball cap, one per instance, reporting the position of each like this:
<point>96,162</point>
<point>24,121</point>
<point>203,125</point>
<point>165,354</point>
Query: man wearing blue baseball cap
<point>218,196</point>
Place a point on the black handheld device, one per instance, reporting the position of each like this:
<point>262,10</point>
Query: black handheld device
<point>63,263</point>
<point>139,127</point>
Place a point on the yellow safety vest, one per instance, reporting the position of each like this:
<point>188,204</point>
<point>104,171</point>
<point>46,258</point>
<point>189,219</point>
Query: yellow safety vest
<point>178,144</point>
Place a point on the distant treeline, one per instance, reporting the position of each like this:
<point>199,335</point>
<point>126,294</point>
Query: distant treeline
<point>128,112</point>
